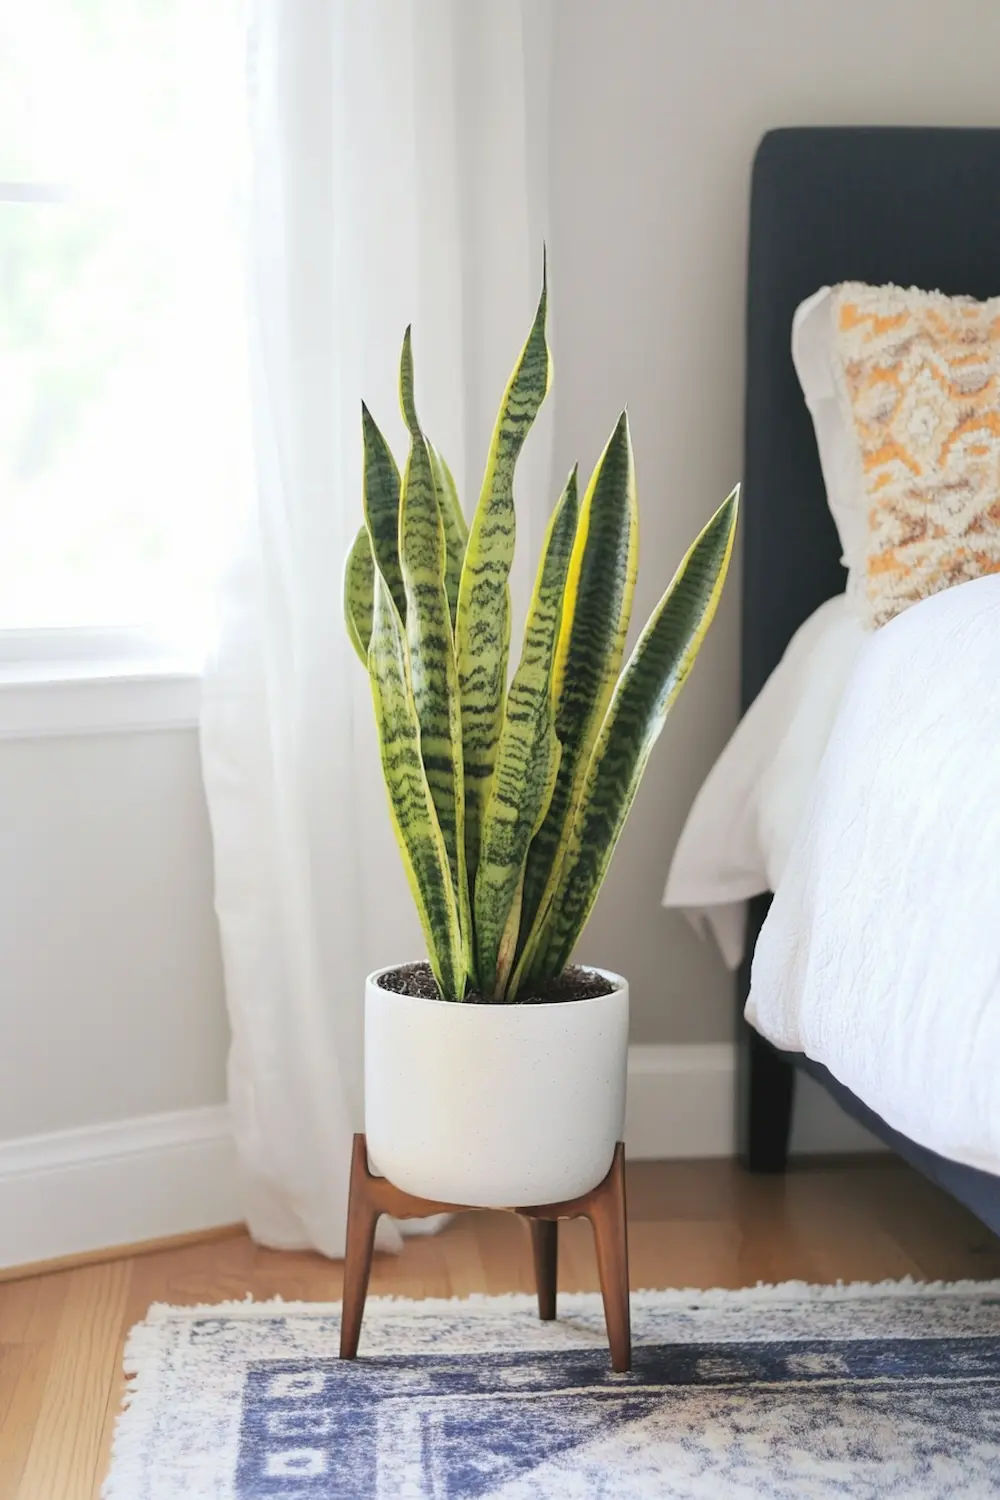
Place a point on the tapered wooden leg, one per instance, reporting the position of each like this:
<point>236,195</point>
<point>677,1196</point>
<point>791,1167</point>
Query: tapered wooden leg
<point>545,1244</point>
<point>362,1217</point>
<point>607,1215</point>
<point>604,1206</point>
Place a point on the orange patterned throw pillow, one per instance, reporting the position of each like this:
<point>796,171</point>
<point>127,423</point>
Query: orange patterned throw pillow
<point>919,382</point>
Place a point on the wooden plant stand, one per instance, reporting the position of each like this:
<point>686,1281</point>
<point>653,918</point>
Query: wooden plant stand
<point>604,1206</point>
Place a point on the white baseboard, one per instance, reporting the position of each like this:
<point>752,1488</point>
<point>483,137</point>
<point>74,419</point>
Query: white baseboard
<point>681,1103</point>
<point>116,1184</point>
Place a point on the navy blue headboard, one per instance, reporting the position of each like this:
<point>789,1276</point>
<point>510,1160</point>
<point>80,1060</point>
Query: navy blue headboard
<point>919,207</point>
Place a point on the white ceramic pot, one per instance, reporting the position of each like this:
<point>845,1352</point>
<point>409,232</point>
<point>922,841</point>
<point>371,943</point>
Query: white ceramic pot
<point>494,1105</point>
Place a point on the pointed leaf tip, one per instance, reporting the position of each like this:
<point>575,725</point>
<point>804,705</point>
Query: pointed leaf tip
<point>731,505</point>
<point>406,398</point>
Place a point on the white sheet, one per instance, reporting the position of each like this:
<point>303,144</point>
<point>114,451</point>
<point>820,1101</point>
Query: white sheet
<point>881,954</point>
<point>738,834</point>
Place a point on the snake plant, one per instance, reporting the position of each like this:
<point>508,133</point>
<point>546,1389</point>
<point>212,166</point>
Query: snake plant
<point>508,801</point>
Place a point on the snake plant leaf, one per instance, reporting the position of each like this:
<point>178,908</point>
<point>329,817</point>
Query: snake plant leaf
<point>598,604</point>
<point>359,591</point>
<point>410,802</point>
<point>433,672</point>
<point>527,760</point>
<point>456,530</point>
<point>648,687</point>
<point>482,626</point>
<point>381,498</point>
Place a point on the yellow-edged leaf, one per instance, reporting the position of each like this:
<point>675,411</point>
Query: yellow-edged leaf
<point>649,685</point>
<point>433,672</point>
<point>381,500</point>
<point>595,619</point>
<point>482,627</point>
<point>456,530</point>
<point>359,589</point>
<point>527,760</point>
<point>410,803</point>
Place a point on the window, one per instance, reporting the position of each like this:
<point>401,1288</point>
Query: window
<point>123,429</point>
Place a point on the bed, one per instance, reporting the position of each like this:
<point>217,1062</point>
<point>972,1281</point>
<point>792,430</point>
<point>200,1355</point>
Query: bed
<point>910,206</point>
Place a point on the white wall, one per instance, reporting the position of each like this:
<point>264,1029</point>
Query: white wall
<point>113,1030</point>
<point>112,988</point>
<point>658,106</point>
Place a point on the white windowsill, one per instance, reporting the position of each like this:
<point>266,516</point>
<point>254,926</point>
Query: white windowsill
<point>50,697</point>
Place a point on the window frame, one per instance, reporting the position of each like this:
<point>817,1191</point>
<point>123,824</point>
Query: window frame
<point>79,680</point>
<point>82,679</point>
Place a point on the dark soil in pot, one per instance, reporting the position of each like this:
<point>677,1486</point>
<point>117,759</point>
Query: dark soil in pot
<point>574,983</point>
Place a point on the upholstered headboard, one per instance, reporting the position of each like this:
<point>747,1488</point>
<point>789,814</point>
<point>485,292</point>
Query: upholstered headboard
<point>918,207</point>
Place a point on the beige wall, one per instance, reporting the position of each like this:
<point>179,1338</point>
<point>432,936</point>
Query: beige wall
<point>657,108</point>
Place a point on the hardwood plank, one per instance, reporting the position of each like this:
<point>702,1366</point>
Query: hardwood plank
<point>27,1307</point>
<point>462,1256</point>
<point>664,1191</point>
<point>65,1445</point>
<point>119,1252</point>
<point>421,1264</point>
<point>29,1319</point>
<point>945,1246</point>
<point>15,1360</point>
<point>504,1246</point>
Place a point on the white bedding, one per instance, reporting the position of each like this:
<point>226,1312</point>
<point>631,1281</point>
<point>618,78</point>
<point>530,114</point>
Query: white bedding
<point>881,954</point>
<point>738,835</point>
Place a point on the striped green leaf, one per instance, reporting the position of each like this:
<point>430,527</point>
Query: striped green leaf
<point>359,588</point>
<point>526,762</point>
<point>410,803</point>
<point>433,673</point>
<point>381,497</point>
<point>456,530</point>
<point>482,627</point>
<point>599,590</point>
<point>649,686</point>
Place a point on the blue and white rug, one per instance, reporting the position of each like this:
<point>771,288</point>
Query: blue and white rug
<point>797,1392</point>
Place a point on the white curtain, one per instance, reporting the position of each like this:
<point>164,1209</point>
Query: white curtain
<point>399,174</point>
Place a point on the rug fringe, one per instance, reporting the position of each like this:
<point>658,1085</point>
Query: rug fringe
<point>129,1444</point>
<point>782,1291</point>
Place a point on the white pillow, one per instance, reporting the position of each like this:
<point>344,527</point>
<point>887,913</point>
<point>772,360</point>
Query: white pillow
<point>812,356</point>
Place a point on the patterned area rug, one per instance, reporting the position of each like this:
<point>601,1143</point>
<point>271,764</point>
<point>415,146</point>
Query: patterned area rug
<point>791,1391</point>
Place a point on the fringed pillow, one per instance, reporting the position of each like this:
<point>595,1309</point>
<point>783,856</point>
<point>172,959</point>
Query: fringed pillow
<point>918,377</point>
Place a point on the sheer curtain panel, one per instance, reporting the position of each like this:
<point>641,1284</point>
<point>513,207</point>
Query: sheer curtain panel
<point>399,152</point>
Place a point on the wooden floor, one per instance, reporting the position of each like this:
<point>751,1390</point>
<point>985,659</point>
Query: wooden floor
<point>690,1224</point>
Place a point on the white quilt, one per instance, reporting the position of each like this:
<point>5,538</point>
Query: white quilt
<point>740,830</point>
<point>881,954</point>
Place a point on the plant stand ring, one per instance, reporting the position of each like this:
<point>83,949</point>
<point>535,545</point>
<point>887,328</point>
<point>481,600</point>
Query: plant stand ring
<point>604,1206</point>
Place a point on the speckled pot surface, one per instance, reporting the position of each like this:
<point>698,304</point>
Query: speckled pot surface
<point>495,1105</point>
